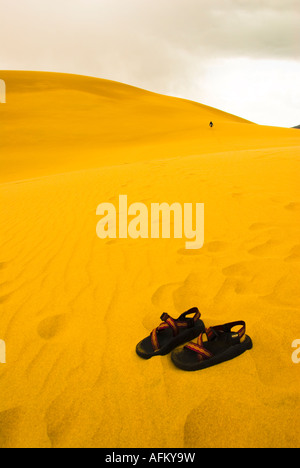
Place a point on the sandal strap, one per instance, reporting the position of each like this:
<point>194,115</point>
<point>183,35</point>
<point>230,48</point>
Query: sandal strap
<point>203,352</point>
<point>229,326</point>
<point>211,333</point>
<point>189,322</point>
<point>175,324</point>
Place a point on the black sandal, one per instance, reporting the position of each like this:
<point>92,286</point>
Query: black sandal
<point>223,344</point>
<point>170,334</point>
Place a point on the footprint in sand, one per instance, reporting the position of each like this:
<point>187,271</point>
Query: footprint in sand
<point>237,269</point>
<point>9,425</point>
<point>264,250</point>
<point>237,195</point>
<point>293,206</point>
<point>189,253</point>
<point>211,247</point>
<point>162,300</point>
<point>215,246</point>
<point>285,292</point>
<point>164,295</point>
<point>231,287</point>
<point>259,226</point>
<point>51,326</point>
<point>294,254</point>
<point>4,298</point>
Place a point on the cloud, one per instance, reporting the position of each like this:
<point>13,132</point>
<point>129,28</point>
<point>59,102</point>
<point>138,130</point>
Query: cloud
<point>227,27</point>
<point>168,46</point>
<point>48,29</point>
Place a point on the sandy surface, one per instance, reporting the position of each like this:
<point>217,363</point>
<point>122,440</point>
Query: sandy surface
<point>73,307</point>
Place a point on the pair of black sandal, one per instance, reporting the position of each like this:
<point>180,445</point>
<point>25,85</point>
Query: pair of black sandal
<point>222,343</point>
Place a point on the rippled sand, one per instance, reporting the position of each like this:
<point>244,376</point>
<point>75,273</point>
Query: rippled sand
<point>73,307</point>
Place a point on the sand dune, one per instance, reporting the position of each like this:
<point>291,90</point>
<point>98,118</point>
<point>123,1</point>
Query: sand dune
<point>73,306</point>
<point>79,123</point>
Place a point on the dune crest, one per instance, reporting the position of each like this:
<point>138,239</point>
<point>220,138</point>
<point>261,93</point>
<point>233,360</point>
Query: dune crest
<point>55,123</point>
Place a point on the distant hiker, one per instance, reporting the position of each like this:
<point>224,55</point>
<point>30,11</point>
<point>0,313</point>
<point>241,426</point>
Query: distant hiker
<point>211,124</point>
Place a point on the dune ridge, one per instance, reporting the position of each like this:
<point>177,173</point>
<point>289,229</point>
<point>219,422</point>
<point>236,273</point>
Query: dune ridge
<point>82,122</point>
<point>73,306</point>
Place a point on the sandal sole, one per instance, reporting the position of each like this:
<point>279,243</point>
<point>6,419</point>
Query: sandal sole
<point>227,355</point>
<point>183,337</point>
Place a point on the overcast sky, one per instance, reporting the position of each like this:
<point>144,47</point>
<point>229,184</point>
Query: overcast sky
<point>241,56</point>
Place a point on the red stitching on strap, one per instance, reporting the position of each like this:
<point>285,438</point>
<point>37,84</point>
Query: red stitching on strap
<point>173,325</point>
<point>201,350</point>
<point>169,322</point>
